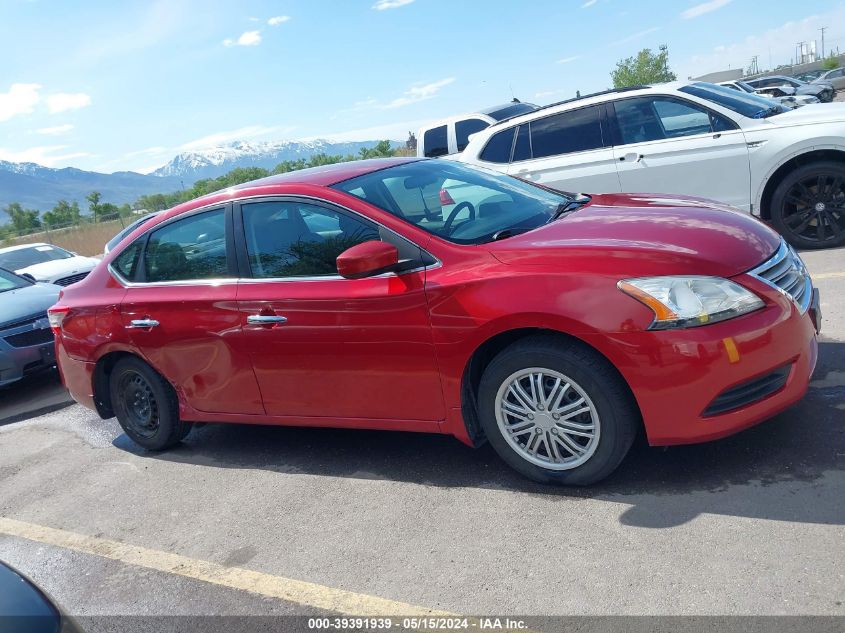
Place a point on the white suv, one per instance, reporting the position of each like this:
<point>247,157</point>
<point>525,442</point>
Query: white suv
<point>699,139</point>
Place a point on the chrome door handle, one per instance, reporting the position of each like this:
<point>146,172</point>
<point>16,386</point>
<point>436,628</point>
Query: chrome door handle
<point>265,319</point>
<point>143,323</point>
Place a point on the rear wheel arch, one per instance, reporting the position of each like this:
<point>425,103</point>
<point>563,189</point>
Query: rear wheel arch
<point>491,347</point>
<point>101,382</point>
<point>789,165</point>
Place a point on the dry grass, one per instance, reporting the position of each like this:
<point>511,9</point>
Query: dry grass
<point>87,239</point>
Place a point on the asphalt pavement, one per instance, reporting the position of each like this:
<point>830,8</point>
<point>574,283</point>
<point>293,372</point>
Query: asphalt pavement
<point>251,520</point>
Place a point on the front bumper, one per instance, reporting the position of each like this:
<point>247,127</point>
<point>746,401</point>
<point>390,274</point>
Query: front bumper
<point>17,362</point>
<point>681,377</point>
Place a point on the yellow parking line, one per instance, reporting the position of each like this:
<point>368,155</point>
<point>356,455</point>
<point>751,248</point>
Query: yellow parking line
<point>288,589</point>
<point>828,276</point>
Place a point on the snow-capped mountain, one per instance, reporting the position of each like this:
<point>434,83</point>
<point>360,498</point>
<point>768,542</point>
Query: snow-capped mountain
<point>216,161</point>
<point>38,187</point>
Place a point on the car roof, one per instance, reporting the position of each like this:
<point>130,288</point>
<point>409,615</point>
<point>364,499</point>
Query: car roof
<point>327,175</point>
<point>20,247</point>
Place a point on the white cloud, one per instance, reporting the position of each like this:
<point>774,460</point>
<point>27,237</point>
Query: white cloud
<point>635,36</point>
<point>773,47</point>
<point>704,7</point>
<point>567,60</point>
<point>394,131</point>
<point>63,101</point>
<point>21,99</point>
<point>588,3</point>
<point>551,93</point>
<point>44,155</point>
<point>249,38</point>
<point>55,131</point>
<point>381,5</point>
<point>278,19</point>
<point>416,93</point>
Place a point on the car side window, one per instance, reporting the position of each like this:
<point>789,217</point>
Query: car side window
<point>126,264</point>
<point>293,239</point>
<point>191,248</point>
<point>436,142</point>
<point>465,128</point>
<point>498,148</point>
<point>647,119</point>
<point>567,132</point>
<point>522,148</point>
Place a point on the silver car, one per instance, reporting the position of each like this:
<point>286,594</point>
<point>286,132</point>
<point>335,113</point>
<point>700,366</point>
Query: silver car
<point>835,77</point>
<point>26,340</point>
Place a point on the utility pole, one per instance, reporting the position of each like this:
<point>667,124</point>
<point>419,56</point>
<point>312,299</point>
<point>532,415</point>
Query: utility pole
<point>823,29</point>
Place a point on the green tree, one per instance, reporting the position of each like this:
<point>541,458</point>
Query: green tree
<point>22,220</point>
<point>645,67</point>
<point>381,150</point>
<point>94,205</point>
<point>64,213</point>
<point>830,62</point>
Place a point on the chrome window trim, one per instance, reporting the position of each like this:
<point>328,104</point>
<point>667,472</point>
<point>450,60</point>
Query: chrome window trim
<point>227,280</point>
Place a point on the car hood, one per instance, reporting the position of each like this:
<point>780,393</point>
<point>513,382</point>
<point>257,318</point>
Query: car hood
<point>26,302</point>
<point>46,271</point>
<point>646,234</point>
<point>811,113</point>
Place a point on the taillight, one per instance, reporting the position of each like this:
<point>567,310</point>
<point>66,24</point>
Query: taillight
<point>56,315</point>
<point>446,197</point>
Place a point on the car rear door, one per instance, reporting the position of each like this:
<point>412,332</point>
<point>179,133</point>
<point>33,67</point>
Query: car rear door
<point>569,151</point>
<point>180,311</point>
<point>324,347</point>
<point>665,144</point>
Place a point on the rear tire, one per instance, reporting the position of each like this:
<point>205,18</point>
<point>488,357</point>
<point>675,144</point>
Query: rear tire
<point>583,418</point>
<point>808,206</point>
<point>146,405</point>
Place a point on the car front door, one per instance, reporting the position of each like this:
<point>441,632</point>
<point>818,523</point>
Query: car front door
<point>569,151</point>
<point>670,145</point>
<point>323,346</point>
<point>181,314</point>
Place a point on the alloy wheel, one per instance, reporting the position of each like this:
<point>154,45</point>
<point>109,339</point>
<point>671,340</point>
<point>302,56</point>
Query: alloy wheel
<point>814,208</point>
<point>547,418</point>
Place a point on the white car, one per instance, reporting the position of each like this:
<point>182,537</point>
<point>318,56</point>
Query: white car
<point>47,263</point>
<point>792,100</point>
<point>451,135</point>
<point>693,138</point>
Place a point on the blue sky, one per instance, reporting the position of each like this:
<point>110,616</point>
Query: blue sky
<point>108,86</point>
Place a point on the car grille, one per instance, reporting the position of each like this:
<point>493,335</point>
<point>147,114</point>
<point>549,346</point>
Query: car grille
<point>29,337</point>
<point>72,279</point>
<point>748,392</point>
<point>785,272</point>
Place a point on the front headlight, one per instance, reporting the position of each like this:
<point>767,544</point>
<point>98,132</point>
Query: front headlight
<point>679,302</point>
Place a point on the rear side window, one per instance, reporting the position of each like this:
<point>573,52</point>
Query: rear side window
<point>436,142</point>
<point>126,264</point>
<point>498,148</point>
<point>463,130</point>
<point>192,248</point>
<point>567,132</point>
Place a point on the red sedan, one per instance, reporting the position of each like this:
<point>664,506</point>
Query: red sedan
<point>418,295</point>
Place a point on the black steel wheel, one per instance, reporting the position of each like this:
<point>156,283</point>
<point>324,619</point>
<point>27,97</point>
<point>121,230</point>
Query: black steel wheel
<point>146,405</point>
<point>808,207</point>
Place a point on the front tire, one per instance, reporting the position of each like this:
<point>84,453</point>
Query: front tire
<point>557,411</point>
<point>146,405</point>
<point>808,206</point>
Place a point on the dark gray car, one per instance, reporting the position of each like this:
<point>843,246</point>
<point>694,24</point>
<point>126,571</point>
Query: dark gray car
<point>26,340</point>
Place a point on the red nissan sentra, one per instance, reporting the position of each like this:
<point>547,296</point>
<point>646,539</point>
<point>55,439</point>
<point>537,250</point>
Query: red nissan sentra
<point>425,295</point>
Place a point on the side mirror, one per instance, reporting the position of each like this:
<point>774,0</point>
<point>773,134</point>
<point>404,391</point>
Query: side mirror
<point>29,276</point>
<point>367,259</point>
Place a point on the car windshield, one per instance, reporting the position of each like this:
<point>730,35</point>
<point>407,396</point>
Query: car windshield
<point>751,105</point>
<point>465,205</point>
<point>11,281</point>
<point>23,257</point>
